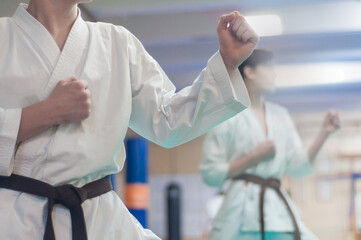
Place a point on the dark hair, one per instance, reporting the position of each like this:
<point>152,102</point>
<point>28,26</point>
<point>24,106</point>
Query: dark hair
<point>258,57</point>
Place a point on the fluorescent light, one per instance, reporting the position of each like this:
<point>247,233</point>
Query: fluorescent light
<point>266,25</point>
<point>317,73</point>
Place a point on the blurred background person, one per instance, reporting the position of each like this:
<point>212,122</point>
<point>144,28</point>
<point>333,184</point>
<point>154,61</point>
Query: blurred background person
<point>256,148</point>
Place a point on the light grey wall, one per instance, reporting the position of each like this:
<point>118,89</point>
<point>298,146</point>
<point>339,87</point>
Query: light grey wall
<point>8,7</point>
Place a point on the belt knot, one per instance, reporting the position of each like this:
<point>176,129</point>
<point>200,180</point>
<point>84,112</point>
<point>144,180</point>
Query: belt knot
<point>70,196</point>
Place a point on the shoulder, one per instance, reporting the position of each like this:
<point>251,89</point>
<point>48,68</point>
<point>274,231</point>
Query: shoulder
<point>117,36</point>
<point>109,30</point>
<point>235,123</point>
<point>5,24</point>
<point>5,28</point>
<point>4,21</point>
<point>277,109</point>
<point>281,114</point>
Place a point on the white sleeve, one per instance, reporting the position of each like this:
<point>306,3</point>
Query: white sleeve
<point>170,119</point>
<point>298,162</point>
<point>9,128</point>
<point>215,159</point>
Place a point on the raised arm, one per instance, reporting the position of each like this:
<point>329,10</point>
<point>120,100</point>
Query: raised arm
<point>330,124</point>
<point>169,118</point>
<point>300,159</point>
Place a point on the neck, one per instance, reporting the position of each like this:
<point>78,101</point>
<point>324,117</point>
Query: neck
<point>255,97</point>
<point>57,16</point>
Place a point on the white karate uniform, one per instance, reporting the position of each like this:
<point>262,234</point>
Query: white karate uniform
<point>128,88</point>
<point>238,216</point>
<point>210,212</point>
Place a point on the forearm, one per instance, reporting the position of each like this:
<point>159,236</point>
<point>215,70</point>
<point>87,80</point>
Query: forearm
<point>230,65</point>
<point>317,145</point>
<point>35,119</point>
<point>243,163</point>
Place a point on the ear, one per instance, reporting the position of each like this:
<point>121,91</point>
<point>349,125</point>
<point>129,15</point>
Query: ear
<point>248,72</point>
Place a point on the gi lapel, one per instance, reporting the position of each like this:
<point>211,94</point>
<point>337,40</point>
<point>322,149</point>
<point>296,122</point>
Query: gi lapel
<point>65,64</point>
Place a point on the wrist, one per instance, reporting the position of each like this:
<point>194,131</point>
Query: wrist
<point>50,110</point>
<point>230,65</point>
<point>256,155</point>
<point>230,68</point>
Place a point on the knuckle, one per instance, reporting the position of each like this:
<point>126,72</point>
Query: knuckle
<point>86,105</point>
<point>78,85</point>
<point>61,83</point>
<point>85,95</point>
<point>86,113</point>
<point>81,96</point>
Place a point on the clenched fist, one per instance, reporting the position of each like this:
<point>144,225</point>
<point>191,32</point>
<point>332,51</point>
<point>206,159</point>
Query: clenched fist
<point>266,150</point>
<point>237,40</point>
<point>331,122</point>
<point>70,99</point>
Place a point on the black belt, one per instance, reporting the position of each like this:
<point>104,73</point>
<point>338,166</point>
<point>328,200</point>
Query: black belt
<point>275,184</point>
<point>67,195</point>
